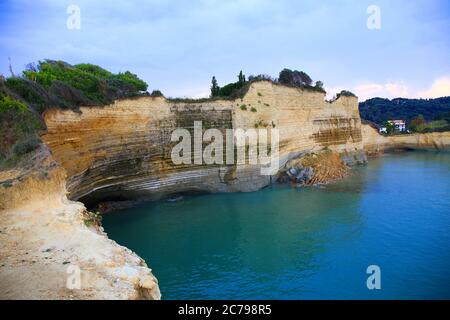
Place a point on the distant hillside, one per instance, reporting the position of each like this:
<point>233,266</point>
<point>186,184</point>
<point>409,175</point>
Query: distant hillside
<point>378,110</point>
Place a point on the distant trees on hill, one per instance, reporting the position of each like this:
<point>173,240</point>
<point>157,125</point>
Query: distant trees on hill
<point>379,110</point>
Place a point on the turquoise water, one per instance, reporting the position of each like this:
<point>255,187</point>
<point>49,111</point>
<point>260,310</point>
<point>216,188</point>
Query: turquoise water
<point>314,243</point>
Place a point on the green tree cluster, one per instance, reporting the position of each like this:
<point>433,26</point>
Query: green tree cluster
<point>294,78</point>
<point>378,110</point>
<point>84,82</point>
<point>228,90</point>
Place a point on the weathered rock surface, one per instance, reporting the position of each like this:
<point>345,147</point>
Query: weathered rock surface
<point>44,238</point>
<point>314,168</point>
<point>375,143</point>
<point>123,150</point>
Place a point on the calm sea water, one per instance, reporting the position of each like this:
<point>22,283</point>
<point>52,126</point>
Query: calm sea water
<point>283,243</point>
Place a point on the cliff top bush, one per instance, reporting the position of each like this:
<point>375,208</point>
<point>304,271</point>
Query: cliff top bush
<point>287,77</point>
<point>18,126</point>
<point>156,93</point>
<point>54,84</point>
<point>346,93</point>
<point>294,78</point>
<point>82,83</point>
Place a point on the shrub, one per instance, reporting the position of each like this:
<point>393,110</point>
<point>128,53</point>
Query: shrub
<point>261,77</point>
<point>261,123</point>
<point>23,147</point>
<point>133,79</point>
<point>319,84</point>
<point>94,70</point>
<point>345,93</point>
<point>24,89</point>
<point>92,219</point>
<point>17,122</point>
<point>95,83</point>
<point>253,109</point>
<point>229,89</point>
<point>156,93</point>
<point>7,184</point>
<point>243,107</point>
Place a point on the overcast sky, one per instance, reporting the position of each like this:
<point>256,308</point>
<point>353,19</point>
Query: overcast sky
<point>176,46</point>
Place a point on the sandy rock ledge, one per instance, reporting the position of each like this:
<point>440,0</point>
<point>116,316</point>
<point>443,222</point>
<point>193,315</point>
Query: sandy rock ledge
<point>45,241</point>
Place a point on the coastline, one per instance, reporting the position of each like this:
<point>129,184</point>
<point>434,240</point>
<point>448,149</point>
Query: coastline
<point>43,226</point>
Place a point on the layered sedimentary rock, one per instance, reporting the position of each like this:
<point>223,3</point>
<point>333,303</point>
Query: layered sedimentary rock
<point>124,149</point>
<point>375,143</point>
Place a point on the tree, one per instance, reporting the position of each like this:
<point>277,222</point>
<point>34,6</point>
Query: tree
<point>241,78</point>
<point>302,78</point>
<point>416,123</point>
<point>286,77</point>
<point>319,84</point>
<point>294,78</point>
<point>260,77</point>
<point>390,128</point>
<point>214,87</point>
<point>156,93</point>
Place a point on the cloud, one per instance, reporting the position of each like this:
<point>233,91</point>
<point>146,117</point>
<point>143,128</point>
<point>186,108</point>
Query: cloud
<point>439,88</point>
<point>386,90</point>
<point>332,91</point>
<point>175,45</point>
<point>397,89</point>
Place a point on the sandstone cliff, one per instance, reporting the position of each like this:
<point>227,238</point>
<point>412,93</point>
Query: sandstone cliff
<point>44,238</point>
<point>123,150</point>
<point>375,143</point>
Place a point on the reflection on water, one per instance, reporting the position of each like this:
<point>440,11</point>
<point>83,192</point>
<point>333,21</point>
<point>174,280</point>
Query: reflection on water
<point>283,243</point>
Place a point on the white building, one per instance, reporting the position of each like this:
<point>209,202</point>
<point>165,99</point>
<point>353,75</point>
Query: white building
<point>399,125</point>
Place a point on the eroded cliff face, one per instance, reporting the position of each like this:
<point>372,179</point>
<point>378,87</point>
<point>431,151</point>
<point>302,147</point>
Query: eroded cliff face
<point>375,143</point>
<point>123,150</point>
<point>45,241</point>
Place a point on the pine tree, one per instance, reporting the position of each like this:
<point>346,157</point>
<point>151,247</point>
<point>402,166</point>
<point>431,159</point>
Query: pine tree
<point>241,78</point>
<point>214,87</point>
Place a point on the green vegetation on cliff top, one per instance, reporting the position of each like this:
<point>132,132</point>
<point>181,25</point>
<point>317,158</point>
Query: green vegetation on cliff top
<point>54,84</point>
<point>57,84</point>
<point>287,77</point>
